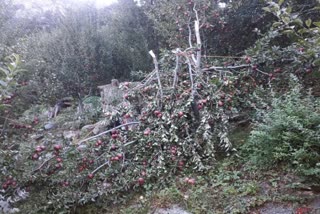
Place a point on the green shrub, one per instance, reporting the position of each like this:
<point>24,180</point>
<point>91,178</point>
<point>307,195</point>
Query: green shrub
<point>289,134</point>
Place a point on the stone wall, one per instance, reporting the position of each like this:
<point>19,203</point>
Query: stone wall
<point>111,95</point>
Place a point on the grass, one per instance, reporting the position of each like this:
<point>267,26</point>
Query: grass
<point>230,188</point>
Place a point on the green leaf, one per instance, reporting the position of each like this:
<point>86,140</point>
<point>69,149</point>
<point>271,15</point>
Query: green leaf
<point>316,24</point>
<point>316,62</point>
<point>286,20</point>
<point>302,31</point>
<point>289,10</point>
<point>308,23</point>
<point>297,22</point>
<point>3,83</point>
<point>5,71</point>
<point>11,67</point>
<point>280,2</point>
<point>276,24</point>
<point>267,9</point>
<point>287,31</point>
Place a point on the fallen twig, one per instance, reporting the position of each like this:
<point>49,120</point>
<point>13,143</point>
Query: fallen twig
<point>216,68</point>
<point>105,132</point>
<point>107,162</point>
<point>40,167</point>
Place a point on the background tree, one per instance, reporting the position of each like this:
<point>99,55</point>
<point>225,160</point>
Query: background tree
<point>88,47</point>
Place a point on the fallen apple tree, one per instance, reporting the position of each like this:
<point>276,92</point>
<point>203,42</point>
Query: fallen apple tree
<point>181,113</point>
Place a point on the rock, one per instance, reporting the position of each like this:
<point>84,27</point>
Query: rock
<point>37,137</point>
<point>99,127</point>
<point>49,126</point>
<point>315,204</point>
<point>87,128</point>
<point>70,135</point>
<point>274,208</point>
<point>82,147</point>
<point>175,209</point>
<point>72,125</point>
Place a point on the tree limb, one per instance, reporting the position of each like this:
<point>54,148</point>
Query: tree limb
<point>156,65</point>
<point>105,132</point>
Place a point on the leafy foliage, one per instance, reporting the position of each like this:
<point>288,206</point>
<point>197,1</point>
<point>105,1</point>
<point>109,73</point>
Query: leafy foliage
<point>289,134</point>
<point>291,45</point>
<point>226,30</point>
<point>12,67</point>
<point>7,85</point>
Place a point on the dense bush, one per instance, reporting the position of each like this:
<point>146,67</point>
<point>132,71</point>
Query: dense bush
<point>289,134</point>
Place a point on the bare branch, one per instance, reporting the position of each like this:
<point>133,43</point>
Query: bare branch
<point>191,78</point>
<point>216,68</point>
<point>197,32</point>
<point>40,167</point>
<point>176,70</point>
<point>99,167</point>
<point>105,132</point>
<point>107,162</point>
<point>156,65</point>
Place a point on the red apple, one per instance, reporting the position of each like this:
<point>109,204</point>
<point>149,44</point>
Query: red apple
<point>191,181</point>
<point>180,114</point>
<point>90,176</point>
<point>248,60</point>
<point>220,103</point>
<point>156,112</point>
<point>113,147</point>
<point>147,132</point>
<point>57,147</point>
<point>35,156</point>
<point>141,181</point>
<point>204,101</point>
<point>278,70</point>
<point>58,166</point>
<point>38,149</point>
<point>4,186</point>
<point>181,163</point>
<point>114,136</point>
